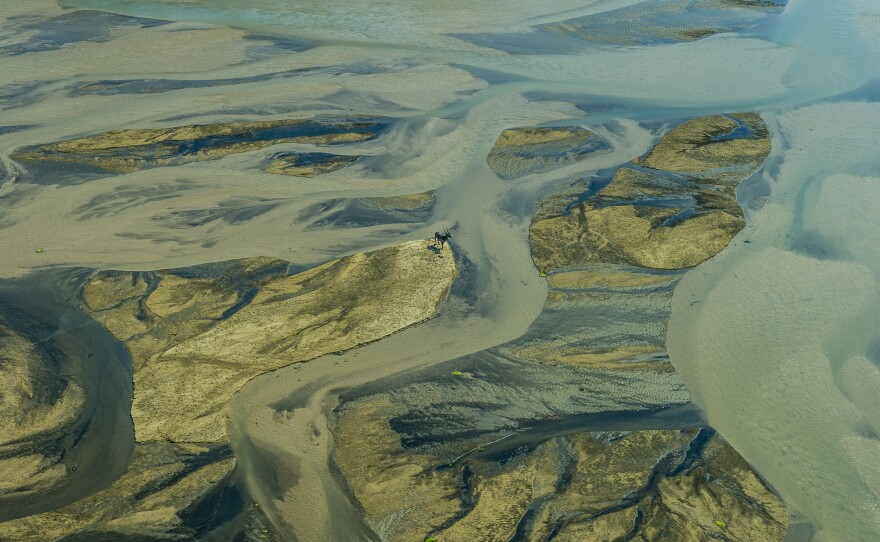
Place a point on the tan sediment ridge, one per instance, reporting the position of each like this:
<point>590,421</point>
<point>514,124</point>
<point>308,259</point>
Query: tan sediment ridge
<point>519,151</point>
<point>128,150</point>
<point>197,335</point>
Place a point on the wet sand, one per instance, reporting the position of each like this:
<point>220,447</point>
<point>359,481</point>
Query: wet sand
<point>448,100</point>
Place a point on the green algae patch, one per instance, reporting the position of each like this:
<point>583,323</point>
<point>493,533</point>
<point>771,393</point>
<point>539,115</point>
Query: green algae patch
<point>162,481</point>
<point>712,144</point>
<point>619,245</point>
<point>579,486</point>
<point>196,335</point>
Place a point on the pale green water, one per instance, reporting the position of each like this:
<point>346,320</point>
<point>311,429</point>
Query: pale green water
<point>777,339</point>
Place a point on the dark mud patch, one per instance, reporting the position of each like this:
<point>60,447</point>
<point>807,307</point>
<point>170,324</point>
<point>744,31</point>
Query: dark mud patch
<point>365,212</point>
<point>232,211</point>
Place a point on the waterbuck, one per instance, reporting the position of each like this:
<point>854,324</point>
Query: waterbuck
<point>441,237</point>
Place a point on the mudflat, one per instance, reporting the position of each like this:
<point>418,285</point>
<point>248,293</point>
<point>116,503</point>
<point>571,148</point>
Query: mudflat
<point>225,313</point>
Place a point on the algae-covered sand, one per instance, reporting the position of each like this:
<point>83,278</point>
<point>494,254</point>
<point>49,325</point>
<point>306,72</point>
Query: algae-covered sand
<point>659,485</point>
<point>38,406</point>
<point>196,340</point>
<point>519,151</point>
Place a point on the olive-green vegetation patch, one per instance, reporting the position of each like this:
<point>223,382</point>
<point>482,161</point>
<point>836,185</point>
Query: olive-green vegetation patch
<point>124,151</point>
<point>656,485</point>
<point>519,151</point>
<point>39,406</point>
<point>614,250</point>
<point>672,209</point>
<point>718,145</point>
<point>657,22</point>
<point>150,501</point>
<point>196,335</point>
<point>307,164</point>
